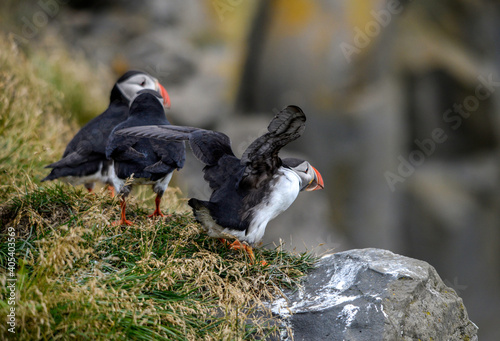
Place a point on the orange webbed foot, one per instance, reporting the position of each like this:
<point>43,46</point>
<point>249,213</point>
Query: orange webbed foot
<point>157,214</point>
<point>122,222</point>
<point>249,250</point>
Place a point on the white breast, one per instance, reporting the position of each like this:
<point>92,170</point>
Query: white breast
<point>86,179</point>
<point>282,194</point>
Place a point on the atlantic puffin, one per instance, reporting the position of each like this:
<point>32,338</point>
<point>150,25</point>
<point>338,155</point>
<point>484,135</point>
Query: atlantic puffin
<point>84,160</point>
<point>247,192</point>
<point>146,161</point>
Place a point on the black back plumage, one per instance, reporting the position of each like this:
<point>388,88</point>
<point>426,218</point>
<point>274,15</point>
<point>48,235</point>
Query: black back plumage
<point>144,157</point>
<point>238,185</point>
<point>85,153</point>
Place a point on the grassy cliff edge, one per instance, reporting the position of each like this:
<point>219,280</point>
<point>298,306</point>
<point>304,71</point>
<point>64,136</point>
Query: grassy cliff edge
<point>79,277</point>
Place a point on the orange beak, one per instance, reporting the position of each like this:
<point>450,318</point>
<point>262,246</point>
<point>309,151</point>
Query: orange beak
<point>164,94</point>
<point>317,182</point>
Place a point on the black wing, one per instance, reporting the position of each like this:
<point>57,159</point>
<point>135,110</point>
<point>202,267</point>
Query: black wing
<point>208,146</point>
<point>74,159</point>
<point>171,154</point>
<point>120,148</point>
<point>86,150</point>
<point>261,157</point>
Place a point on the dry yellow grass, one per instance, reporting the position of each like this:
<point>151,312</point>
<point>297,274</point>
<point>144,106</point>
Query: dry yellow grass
<point>41,99</point>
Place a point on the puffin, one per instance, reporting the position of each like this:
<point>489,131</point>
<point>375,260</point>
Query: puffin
<point>143,160</point>
<point>249,191</point>
<point>84,160</point>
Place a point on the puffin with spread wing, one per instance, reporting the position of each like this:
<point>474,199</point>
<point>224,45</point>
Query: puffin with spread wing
<point>247,192</point>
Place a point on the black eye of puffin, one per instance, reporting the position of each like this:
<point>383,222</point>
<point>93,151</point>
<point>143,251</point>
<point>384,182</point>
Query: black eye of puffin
<point>143,83</point>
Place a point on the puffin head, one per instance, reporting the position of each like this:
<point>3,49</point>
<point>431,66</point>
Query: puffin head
<point>311,179</point>
<point>132,82</point>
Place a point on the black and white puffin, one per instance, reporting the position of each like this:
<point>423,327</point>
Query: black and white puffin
<point>247,192</point>
<point>148,161</point>
<point>84,160</point>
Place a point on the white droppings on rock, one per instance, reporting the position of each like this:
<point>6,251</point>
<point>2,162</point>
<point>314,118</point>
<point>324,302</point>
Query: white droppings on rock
<point>321,302</point>
<point>345,277</point>
<point>318,302</point>
<point>280,307</point>
<point>383,312</point>
<point>348,314</point>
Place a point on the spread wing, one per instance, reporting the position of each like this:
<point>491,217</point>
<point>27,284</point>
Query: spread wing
<point>207,145</point>
<point>261,157</point>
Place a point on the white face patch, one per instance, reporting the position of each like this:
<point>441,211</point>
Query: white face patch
<point>306,174</point>
<point>136,83</point>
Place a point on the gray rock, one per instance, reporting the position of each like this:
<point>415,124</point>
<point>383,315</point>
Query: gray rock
<point>373,294</point>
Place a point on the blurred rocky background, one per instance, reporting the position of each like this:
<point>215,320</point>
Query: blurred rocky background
<point>402,99</point>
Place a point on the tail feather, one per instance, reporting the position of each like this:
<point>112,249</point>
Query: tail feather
<point>202,214</point>
<point>52,176</point>
<point>197,204</point>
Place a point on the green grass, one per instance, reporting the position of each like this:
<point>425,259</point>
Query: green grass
<point>159,279</point>
<point>80,277</point>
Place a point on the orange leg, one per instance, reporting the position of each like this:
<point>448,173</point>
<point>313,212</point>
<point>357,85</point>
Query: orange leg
<point>123,220</point>
<point>89,187</point>
<point>157,212</point>
<point>236,245</point>
<point>111,190</point>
